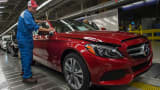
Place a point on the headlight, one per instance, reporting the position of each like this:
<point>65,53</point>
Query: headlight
<point>104,51</point>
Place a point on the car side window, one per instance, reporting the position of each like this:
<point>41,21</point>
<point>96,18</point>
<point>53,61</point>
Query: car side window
<point>60,27</point>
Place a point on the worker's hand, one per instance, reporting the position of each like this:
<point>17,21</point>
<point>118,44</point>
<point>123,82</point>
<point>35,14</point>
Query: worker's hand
<point>39,21</point>
<point>51,29</point>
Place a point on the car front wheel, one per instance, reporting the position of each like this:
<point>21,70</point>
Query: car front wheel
<point>76,72</point>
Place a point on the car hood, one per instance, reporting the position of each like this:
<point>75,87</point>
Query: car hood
<point>101,36</point>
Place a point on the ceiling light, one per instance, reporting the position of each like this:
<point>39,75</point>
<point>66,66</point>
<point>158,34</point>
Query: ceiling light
<point>1,7</point>
<point>132,4</point>
<point>3,1</point>
<point>1,12</point>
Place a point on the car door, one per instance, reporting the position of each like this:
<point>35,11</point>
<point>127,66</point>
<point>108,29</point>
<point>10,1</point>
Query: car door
<point>56,44</point>
<point>40,44</point>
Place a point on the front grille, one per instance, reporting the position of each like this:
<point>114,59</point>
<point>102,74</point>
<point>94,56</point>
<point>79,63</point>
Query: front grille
<point>138,67</point>
<point>113,75</point>
<point>139,51</point>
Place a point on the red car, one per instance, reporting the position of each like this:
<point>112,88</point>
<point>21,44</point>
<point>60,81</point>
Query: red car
<point>87,56</point>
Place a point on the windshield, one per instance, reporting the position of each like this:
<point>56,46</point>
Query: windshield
<point>80,26</point>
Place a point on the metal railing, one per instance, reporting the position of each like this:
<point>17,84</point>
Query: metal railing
<point>153,33</point>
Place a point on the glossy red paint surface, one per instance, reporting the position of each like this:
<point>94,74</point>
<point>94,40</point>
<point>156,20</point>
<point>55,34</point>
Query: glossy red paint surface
<point>51,49</point>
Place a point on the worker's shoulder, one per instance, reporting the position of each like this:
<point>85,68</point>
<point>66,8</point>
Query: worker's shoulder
<point>25,13</point>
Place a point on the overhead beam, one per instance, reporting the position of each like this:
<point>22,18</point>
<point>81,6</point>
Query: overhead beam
<point>51,5</point>
<point>108,4</point>
<point>8,29</point>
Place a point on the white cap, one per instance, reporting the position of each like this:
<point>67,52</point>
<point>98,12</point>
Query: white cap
<point>29,3</point>
<point>32,3</point>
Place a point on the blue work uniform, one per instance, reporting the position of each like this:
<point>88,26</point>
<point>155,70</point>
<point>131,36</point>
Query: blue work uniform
<point>26,25</point>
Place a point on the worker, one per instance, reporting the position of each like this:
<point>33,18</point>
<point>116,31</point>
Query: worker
<point>26,25</point>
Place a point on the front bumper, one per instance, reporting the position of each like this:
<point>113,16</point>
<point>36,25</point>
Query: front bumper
<point>115,71</point>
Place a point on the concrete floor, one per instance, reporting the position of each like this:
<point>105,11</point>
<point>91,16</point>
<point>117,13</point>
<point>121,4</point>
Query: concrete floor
<point>48,79</point>
<point>156,51</point>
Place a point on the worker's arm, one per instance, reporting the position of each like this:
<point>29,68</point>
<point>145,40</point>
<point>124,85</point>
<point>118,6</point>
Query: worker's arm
<point>39,21</point>
<point>30,23</point>
<point>45,29</point>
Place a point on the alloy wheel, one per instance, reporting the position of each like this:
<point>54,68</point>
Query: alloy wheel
<point>73,73</point>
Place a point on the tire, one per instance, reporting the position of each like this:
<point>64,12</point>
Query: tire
<point>34,63</point>
<point>77,81</point>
